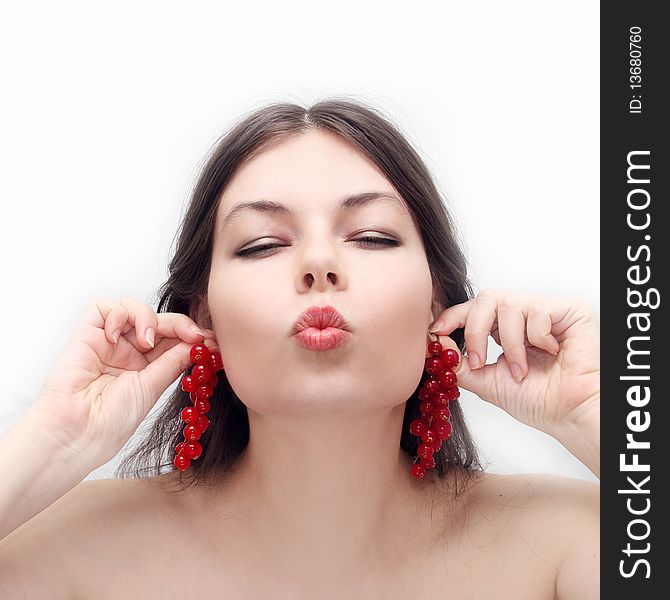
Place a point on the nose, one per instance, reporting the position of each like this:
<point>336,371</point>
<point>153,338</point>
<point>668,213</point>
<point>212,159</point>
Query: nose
<point>319,281</point>
<point>320,268</point>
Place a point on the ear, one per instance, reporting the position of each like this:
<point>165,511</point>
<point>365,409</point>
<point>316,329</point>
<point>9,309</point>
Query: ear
<point>436,306</point>
<point>199,312</point>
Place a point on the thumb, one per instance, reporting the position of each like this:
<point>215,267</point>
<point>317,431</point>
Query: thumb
<point>162,372</point>
<point>480,381</point>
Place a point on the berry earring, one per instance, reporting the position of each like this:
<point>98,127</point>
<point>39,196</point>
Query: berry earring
<point>435,394</point>
<point>200,384</point>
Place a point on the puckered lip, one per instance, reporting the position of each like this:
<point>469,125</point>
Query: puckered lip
<point>320,317</point>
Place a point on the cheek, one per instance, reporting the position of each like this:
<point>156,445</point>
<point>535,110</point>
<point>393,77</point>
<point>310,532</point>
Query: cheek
<point>396,299</point>
<point>243,301</point>
<point>395,337</point>
<point>252,318</point>
<point>389,307</point>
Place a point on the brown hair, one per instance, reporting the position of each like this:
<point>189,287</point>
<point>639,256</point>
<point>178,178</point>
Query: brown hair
<point>186,287</point>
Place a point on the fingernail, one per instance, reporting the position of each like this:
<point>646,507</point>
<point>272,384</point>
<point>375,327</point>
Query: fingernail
<point>115,335</point>
<point>516,372</point>
<point>150,336</point>
<point>473,360</point>
<point>194,329</point>
<point>437,327</point>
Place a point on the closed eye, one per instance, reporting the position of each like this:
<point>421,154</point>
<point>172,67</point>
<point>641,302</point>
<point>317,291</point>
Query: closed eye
<point>265,249</point>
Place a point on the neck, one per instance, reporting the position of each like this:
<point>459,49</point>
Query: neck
<point>327,492</point>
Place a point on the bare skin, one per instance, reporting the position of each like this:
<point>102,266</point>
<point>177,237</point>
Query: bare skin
<point>503,536</point>
<point>322,504</point>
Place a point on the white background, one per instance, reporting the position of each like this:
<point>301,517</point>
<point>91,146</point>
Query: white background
<point>108,110</point>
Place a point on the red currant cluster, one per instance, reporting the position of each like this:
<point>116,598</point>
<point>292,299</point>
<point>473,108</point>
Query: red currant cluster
<point>200,383</point>
<point>435,394</point>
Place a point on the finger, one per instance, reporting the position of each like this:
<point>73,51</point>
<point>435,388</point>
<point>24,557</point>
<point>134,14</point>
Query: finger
<point>129,355</point>
<point>112,317</point>
<point>108,316</point>
<point>178,325</point>
<point>117,317</point>
<point>495,335</point>
<point>512,329</point>
<point>173,328</point>
<point>162,345</point>
<point>148,325</point>
<point>480,382</point>
<point>481,321</point>
<point>143,318</point>
<point>452,318</point>
<point>163,371</point>
<point>121,356</point>
<point>538,327</point>
<point>94,317</point>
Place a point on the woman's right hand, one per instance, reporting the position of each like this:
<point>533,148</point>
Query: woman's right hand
<point>98,391</point>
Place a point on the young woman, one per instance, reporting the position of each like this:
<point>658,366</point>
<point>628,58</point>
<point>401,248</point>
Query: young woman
<point>316,256</point>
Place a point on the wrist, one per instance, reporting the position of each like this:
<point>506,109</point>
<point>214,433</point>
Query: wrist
<point>581,434</point>
<point>37,471</point>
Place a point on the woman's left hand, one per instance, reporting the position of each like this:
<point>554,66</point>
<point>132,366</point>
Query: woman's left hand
<point>555,341</point>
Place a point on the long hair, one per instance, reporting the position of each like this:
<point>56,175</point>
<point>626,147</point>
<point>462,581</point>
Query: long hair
<point>186,287</point>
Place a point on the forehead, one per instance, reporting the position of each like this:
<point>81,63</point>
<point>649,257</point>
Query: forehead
<point>311,171</point>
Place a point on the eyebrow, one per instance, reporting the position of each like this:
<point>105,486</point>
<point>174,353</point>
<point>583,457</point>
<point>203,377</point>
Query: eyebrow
<point>268,206</point>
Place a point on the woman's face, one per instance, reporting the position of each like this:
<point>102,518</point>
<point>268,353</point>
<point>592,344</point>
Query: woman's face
<point>383,292</point>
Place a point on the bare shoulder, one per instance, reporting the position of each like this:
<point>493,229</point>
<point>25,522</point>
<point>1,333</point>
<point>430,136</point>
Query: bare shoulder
<point>36,559</point>
<point>86,527</point>
<point>558,517</point>
<point>536,490</point>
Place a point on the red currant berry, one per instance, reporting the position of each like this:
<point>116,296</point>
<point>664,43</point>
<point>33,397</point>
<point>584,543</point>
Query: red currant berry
<point>434,348</point>
<point>182,462</point>
<point>429,436</point>
<point>187,383</point>
<point>441,414</point>
<point>427,408</point>
<point>437,444</point>
<point>444,378</point>
<point>203,406</point>
<point>425,450</point>
<point>452,392</point>
<point>192,432</point>
<point>200,354</point>
<point>192,450</point>
<point>443,430</point>
<point>418,471</point>
<point>204,392</point>
<point>431,385</point>
<point>179,447</point>
<point>449,358</point>
<point>416,427</point>
<point>440,399</point>
<point>215,361</point>
<point>428,463</point>
<point>202,423</point>
<point>433,365</point>
<point>201,374</point>
<point>189,414</point>
<point>449,377</point>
